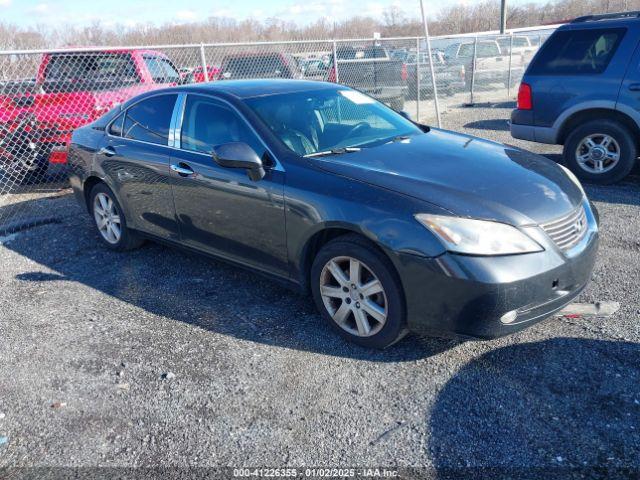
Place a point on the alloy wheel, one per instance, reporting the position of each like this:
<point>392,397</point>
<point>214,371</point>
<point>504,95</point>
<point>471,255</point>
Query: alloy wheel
<point>354,296</point>
<point>598,153</point>
<point>107,218</point>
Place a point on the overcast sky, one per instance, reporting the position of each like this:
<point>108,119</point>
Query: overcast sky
<point>130,12</point>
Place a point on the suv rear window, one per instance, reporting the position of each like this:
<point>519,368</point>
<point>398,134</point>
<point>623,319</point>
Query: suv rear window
<point>569,52</point>
<point>258,66</point>
<point>72,72</point>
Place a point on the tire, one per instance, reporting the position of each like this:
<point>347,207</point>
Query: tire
<point>623,142</point>
<point>128,239</point>
<point>374,265</point>
<point>32,171</point>
<point>36,174</point>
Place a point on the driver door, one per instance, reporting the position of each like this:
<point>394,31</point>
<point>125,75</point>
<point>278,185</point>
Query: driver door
<point>220,210</point>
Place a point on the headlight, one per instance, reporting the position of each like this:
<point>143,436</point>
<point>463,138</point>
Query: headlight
<point>573,177</point>
<point>478,237</point>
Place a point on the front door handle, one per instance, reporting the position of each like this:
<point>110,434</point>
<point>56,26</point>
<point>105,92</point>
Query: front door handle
<point>107,151</point>
<point>634,87</point>
<point>182,170</point>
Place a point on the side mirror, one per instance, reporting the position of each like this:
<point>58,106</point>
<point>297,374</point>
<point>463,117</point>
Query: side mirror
<point>405,115</point>
<point>239,155</point>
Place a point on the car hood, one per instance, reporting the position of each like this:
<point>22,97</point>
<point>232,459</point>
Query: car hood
<point>468,176</point>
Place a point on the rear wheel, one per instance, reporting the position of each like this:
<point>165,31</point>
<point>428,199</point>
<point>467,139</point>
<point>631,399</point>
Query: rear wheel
<point>110,220</point>
<point>600,151</point>
<point>358,292</point>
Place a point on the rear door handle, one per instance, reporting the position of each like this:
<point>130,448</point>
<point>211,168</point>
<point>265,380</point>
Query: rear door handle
<point>107,151</point>
<point>182,169</point>
<point>634,87</point>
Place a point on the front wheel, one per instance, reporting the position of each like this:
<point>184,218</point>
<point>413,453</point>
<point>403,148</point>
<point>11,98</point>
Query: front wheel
<point>600,151</point>
<point>358,292</point>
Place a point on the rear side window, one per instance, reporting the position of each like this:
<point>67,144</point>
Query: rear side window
<point>577,52</point>
<point>150,119</point>
<point>116,126</point>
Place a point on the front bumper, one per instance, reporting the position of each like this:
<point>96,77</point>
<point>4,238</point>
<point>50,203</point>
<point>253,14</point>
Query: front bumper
<point>466,296</point>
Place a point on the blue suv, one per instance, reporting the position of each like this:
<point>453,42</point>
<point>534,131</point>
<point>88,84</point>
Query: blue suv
<point>582,91</point>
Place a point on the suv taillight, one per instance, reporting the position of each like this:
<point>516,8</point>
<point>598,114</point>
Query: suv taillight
<point>525,102</point>
<point>404,74</point>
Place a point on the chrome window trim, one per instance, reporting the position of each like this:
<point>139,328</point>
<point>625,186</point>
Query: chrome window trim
<point>176,121</point>
<point>178,132</point>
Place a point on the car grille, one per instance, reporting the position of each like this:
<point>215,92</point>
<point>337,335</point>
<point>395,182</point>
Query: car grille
<point>567,231</point>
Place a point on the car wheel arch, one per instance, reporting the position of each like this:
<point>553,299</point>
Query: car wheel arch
<point>577,118</point>
<point>90,182</point>
<point>319,239</point>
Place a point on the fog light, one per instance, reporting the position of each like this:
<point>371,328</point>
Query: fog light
<point>509,317</point>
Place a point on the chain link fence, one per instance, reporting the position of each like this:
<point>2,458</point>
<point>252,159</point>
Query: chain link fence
<point>45,95</point>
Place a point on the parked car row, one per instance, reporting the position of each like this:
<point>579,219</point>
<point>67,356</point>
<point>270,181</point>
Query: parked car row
<point>72,89</point>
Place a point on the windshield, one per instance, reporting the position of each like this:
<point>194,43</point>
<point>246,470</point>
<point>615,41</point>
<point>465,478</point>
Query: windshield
<point>330,120</point>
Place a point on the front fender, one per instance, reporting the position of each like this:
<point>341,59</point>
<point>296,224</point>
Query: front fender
<point>328,201</point>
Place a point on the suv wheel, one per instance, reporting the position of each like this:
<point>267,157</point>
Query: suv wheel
<point>600,151</point>
<point>110,221</point>
<point>356,289</point>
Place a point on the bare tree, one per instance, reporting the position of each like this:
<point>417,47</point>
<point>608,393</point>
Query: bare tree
<point>458,18</point>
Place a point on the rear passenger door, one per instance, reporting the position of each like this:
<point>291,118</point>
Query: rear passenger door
<point>578,69</point>
<point>135,160</point>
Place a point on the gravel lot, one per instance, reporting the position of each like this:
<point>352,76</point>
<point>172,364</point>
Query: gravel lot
<point>161,358</point>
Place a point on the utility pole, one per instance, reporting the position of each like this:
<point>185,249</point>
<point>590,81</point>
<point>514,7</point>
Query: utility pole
<point>433,75</point>
<point>503,16</point>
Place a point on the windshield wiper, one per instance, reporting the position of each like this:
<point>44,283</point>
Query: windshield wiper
<point>333,151</point>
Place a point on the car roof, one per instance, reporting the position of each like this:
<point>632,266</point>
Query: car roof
<point>259,87</point>
<point>603,21</point>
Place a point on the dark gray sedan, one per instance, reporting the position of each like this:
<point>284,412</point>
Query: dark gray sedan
<point>391,225</point>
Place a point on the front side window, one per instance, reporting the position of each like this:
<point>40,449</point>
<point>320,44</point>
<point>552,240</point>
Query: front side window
<point>207,123</point>
<point>466,50</point>
<point>520,42</point>
<point>171,75</point>
<point>577,52</point>
<point>149,120</point>
<point>321,120</point>
<point>161,70</point>
<point>488,50</point>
